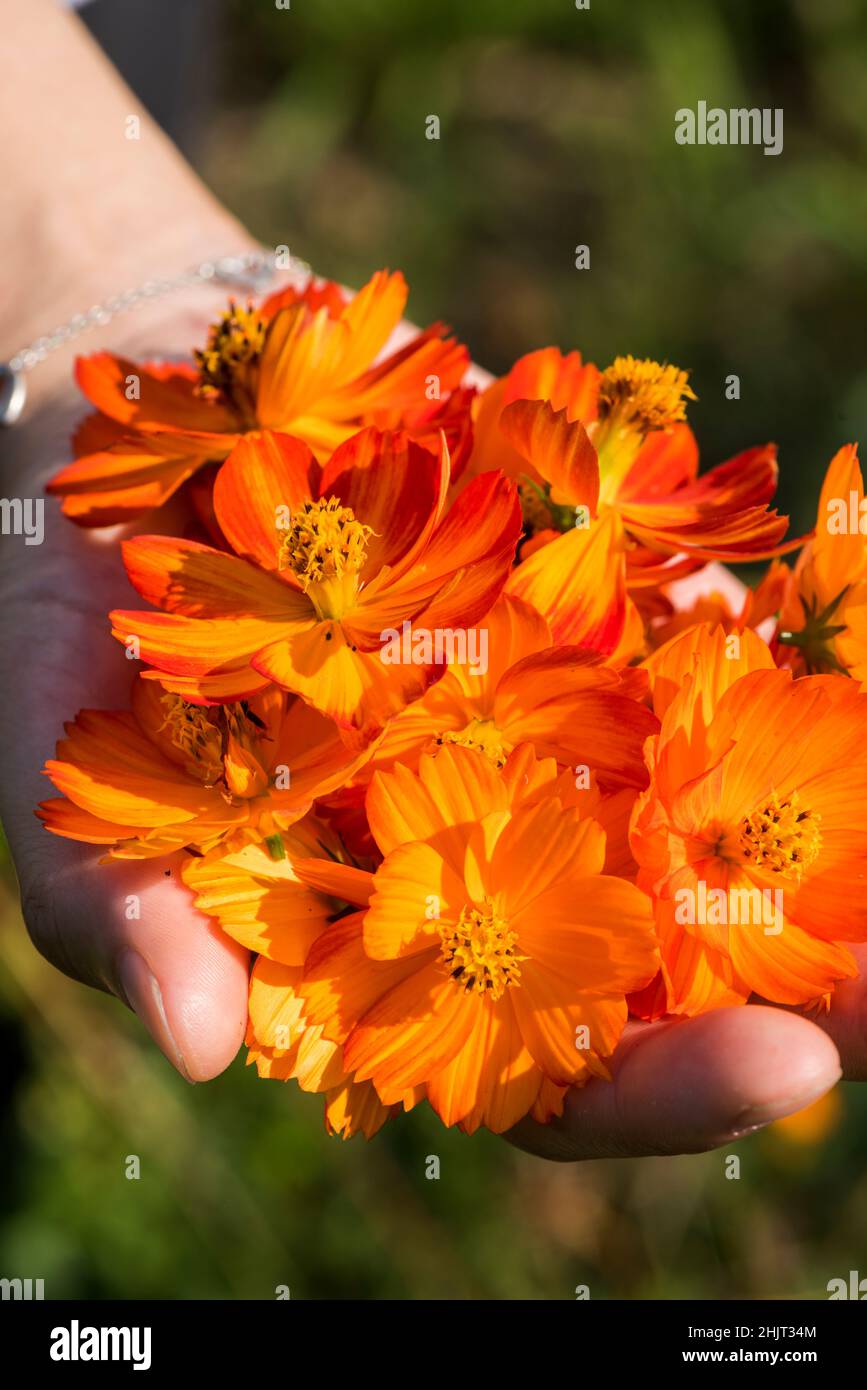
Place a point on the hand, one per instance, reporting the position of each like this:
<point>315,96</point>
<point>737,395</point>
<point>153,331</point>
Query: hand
<point>172,965</point>
<point>678,1086</point>
<point>95,214</point>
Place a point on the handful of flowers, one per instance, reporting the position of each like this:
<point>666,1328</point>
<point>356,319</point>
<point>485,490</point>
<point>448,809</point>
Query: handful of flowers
<point>425,725</point>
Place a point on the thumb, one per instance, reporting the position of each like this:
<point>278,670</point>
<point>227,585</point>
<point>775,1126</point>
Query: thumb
<point>129,927</point>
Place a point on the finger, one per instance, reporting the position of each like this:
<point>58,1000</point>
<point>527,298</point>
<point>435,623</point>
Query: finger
<point>131,928</point>
<point>686,1086</point>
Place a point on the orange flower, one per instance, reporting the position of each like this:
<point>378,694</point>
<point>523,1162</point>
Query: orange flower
<point>752,836</point>
<point>647,459</point>
<point>232,785</point>
<point>823,621</point>
<point>284,1045</point>
<point>559,699</point>
<point>509,951</point>
<point>168,774</point>
<point>304,362</point>
<point>326,562</point>
<point>608,473</point>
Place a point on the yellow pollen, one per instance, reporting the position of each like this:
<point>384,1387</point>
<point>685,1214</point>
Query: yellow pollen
<point>644,395</point>
<point>233,350</point>
<point>484,736</point>
<point>324,541</point>
<point>479,951</point>
<point>195,730</point>
<point>780,836</point>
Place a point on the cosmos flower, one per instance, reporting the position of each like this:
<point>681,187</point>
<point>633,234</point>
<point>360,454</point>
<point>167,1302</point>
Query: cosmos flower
<point>562,700</point>
<point>752,836</point>
<point>608,473</point>
<point>167,774</point>
<point>305,362</point>
<point>511,949</point>
<point>325,561</point>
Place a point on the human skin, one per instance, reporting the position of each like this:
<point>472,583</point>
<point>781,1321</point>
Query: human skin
<point>95,214</point>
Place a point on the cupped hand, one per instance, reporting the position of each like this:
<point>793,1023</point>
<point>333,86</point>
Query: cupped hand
<point>130,928</point>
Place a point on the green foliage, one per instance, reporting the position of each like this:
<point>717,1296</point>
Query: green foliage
<point>557,129</point>
<point>241,1190</point>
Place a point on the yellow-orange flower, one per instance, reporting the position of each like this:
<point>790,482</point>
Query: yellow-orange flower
<point>752,836</point>
<point>325,562</point>
<point>261,903</point>
<point>509,950</point>
<point>304,363</point>
<point>169,774</point>
<point>612,500</point>
<point>559,699</point>
<point>232,784</point>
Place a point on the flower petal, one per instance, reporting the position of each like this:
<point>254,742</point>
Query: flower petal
<point>578,583</point>
<point>265,475</point>
<point>559,451</point>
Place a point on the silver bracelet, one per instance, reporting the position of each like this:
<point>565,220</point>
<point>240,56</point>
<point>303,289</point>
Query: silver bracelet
<point>251,272</point>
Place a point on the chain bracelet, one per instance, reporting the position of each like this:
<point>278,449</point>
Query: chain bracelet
<point>251,271</point>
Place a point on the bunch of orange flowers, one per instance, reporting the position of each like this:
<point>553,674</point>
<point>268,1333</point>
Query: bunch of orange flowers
<point>419,708</point>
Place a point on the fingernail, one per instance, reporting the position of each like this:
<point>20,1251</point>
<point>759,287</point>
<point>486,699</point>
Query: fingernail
<point>144,996</point>
<point>756,1116</point>
<point>745,1133</point>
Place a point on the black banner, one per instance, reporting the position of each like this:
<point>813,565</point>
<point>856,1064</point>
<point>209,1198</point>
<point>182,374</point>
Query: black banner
<point>201,1338</point>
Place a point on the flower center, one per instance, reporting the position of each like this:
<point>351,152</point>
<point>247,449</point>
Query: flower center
<point>324,542</point>
<point>643,395</point>
<point>202,733</point>
<point>479,951</point>
<point>195,730</point>
<point>781,836</point>
<point>484,736</point>
<point>228,365</point>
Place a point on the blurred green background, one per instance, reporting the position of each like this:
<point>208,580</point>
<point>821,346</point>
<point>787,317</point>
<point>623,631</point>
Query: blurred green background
<point>557,128</point>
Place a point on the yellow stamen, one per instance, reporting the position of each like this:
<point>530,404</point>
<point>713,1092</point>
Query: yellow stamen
<point>643,395</point>
<point>479,951</point>
<point>203,734</point>
<point>194,729</point>
<point>229,363</point>
<point>324,542</point>
<point>484,736</point>
<point>780,836</point>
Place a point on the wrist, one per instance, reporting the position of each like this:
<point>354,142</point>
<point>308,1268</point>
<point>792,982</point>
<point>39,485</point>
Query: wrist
<point>160,311</point>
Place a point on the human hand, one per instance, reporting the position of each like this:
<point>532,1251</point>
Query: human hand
<point>126,927</point>
<point>678,1086</point>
